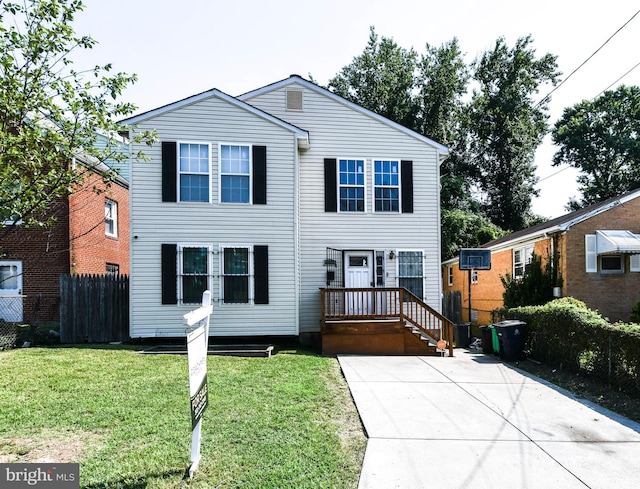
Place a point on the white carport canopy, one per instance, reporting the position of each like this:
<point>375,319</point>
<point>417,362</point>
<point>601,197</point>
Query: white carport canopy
<point>617,242</point>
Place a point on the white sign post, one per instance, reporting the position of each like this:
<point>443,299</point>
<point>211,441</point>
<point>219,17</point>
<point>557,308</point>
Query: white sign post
<point>197,346</point>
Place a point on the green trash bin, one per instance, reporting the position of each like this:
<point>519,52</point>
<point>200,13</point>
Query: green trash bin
<point>495,340</point>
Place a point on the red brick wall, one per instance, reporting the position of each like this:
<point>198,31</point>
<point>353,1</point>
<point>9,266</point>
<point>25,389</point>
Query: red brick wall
<point>613,295</point>
<point>44,256</point>
<point>90,248</point>
<point>486,295</point>
<point>76,243</point>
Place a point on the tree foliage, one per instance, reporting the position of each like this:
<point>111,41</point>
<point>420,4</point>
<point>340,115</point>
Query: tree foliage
<point>534,288</point>
<point>507,126</point>
<point>49,112</point>
<point>601,138</point>
<point>488,180</point>
<point>381,79</point>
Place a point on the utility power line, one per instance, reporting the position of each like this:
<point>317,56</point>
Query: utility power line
<point>588,59</point>
<point>616,81</point>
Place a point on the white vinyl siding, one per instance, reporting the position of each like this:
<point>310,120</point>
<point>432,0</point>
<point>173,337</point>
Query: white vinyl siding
<point>154,223</point>
<point>337,131</point>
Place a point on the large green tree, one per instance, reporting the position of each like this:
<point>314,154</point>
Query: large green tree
<point>506,126</point>
<point>601,138</point>
<point>49,112</point>
<point>424,92</point>
<point>381,79</point>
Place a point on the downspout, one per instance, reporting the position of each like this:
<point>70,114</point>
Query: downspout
<point>439,158</point>
<point>296,233</point>
<point>131,233</point>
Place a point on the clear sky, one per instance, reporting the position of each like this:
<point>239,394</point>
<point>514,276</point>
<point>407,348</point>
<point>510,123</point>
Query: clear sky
<point>182,47</point>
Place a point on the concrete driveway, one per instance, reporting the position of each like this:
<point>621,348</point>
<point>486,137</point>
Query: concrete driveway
<point>474,422</point>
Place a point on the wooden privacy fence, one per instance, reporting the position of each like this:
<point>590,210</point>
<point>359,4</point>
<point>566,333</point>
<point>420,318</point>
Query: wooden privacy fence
<point>94,308</point>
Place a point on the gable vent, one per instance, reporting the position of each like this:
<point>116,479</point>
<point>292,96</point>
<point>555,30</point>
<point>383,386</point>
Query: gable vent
<point>294,99</point>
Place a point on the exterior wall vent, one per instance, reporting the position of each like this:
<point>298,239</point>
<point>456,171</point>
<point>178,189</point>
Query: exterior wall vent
<point>294,99</point>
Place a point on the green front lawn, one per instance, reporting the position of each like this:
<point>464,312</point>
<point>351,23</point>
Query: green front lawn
<point>287,421</point>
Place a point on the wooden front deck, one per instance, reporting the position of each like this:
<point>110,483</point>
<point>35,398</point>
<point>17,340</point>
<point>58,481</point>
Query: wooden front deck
<point>381,321</point>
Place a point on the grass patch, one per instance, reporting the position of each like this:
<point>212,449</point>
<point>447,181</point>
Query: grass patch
<point>287,421</point>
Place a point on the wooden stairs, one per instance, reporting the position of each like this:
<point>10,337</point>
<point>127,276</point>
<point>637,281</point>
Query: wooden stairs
<point>382,322</point>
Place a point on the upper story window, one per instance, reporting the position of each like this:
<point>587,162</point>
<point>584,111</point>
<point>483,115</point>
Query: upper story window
<point>351,178</point>
<point>111,218</point>
<point>235,173</point>
<point>386,185</point>
<point>521,258</point>
<point>194,169</point>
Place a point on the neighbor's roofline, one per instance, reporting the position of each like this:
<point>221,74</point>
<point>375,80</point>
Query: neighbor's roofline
<point>558,225</point>
<point>442,149</point>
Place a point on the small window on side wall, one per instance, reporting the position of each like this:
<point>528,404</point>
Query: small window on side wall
<point>611,264</point>
<point>110,218</point>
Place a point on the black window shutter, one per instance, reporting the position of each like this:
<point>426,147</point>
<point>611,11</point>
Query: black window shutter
<point>259,174</point>
<point>407,185</point>
<point>330,185</point>
<point>169,171</point>
<point>261,274</point>
<point>169,274</point>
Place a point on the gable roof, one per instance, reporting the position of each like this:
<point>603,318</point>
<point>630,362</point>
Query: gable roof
<point>296,79</point>
<point>301,135</point>
<point>562,223</point>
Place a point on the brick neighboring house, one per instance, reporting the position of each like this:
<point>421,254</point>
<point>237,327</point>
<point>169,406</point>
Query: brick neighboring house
<point>90,236</point>
<point>597,255</point>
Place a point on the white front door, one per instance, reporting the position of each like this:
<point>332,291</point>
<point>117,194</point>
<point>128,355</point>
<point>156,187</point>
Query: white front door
<point>11,291</point>
<point>358,274</point>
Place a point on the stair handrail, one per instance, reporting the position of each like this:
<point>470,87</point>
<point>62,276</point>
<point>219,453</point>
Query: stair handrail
<point>446,327</point>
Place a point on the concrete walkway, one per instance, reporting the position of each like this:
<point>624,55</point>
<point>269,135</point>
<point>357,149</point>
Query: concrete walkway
<point>472,421</point>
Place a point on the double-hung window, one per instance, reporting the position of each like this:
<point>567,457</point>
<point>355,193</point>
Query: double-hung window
<point>351,178</point>
<point>410,272</point>
<point>194,172</point>
<point>386,185</point>
<point>195,272</point>
<point>235,173</point>
<point>521,258</point>
<point>235,274</point>
<point>111,218</point>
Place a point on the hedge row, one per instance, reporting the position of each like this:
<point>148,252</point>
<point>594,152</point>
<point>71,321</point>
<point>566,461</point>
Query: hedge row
<point>565,334</point>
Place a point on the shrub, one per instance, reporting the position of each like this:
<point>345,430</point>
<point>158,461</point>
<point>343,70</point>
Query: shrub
<point>534,288</point>
<point>565,334</point>
<point>635,313</point>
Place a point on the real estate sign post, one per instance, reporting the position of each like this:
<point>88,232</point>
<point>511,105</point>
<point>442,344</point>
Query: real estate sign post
<point>197,323</point>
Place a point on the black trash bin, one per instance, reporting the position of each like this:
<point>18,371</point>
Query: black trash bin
<point>511,335</point>
<point>487,340</point>
<point>462,335</point>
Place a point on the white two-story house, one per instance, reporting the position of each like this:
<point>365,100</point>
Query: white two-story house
<point>269,197</point>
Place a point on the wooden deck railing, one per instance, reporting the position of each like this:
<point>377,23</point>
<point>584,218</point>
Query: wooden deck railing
<point>385,303</point>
